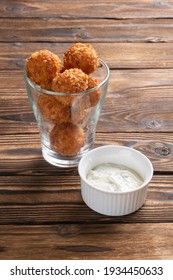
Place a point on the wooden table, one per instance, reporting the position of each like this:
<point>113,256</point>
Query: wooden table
<point>42,214</point>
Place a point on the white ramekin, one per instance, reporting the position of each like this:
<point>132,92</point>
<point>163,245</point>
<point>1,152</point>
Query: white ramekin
<point>109,202</point>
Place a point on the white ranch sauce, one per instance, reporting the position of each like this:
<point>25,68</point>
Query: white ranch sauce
<point>113,177</point>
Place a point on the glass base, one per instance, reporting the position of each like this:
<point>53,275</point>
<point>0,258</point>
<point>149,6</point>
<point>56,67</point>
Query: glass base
<point>62,161</point>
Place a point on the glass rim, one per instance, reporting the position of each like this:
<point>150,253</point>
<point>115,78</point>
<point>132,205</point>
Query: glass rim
<point>38,88</point>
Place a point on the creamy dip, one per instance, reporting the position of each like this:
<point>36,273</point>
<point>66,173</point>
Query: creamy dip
<point>113,177</point>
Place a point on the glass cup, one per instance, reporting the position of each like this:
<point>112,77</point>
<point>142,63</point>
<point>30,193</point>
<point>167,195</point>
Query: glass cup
<point>67,121</point>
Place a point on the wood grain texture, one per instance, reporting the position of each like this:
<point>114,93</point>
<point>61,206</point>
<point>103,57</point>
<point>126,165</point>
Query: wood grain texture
<point>57,199</point>
<point>21,153</point>
<point>86,30</point>
<point>152,91</point>
<point>117,55</point>
<point>100,242</point>
<point>87,9</point>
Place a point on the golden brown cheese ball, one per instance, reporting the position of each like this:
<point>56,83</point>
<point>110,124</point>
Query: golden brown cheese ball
<point>67,139</point>
<point>70,81</point>
<point>52,110</point>
<point>41,68</point>
<point>96,94</point>
<point>82,56</point>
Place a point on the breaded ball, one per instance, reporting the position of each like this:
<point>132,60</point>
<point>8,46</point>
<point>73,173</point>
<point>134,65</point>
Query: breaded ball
<point>67,139</point>
<point>52,110</point>
<point>41,68</point>
<point>96,94</point>
<point>82,56</point>
<point>70,81</point>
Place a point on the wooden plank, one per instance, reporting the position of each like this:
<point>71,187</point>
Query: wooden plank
<point>21,153</point>
<point>50,199</point>
<point>137,101</point>
<point>87,9</point>
<point>137,111</point>
<point>86,30</point>
<point>76,242</point>
<point>121,81</point>
<point>119,113</point>
<point>117,55</point>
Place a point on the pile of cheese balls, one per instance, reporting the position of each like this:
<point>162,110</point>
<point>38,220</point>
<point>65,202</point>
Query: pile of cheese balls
<point>66,109</point>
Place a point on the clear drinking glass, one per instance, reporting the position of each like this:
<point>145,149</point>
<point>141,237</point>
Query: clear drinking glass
<point>67,121</point>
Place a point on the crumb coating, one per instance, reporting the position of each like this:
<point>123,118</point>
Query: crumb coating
<point>70,81</point>
<point>42,67</point>
<point>52,110</point>
<point>67,139</point>
<point>82,56</point>
<point>96,94</point>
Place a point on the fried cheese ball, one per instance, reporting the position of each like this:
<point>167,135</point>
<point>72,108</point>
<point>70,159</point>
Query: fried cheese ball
<point>67,139</point>
<point>96,94</point>
<point>52,110</point>
<point>82,56</point>
<point>41,68</point>
<point>70,81</point>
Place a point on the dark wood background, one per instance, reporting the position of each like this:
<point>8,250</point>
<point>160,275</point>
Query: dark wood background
<point>42,215</point>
